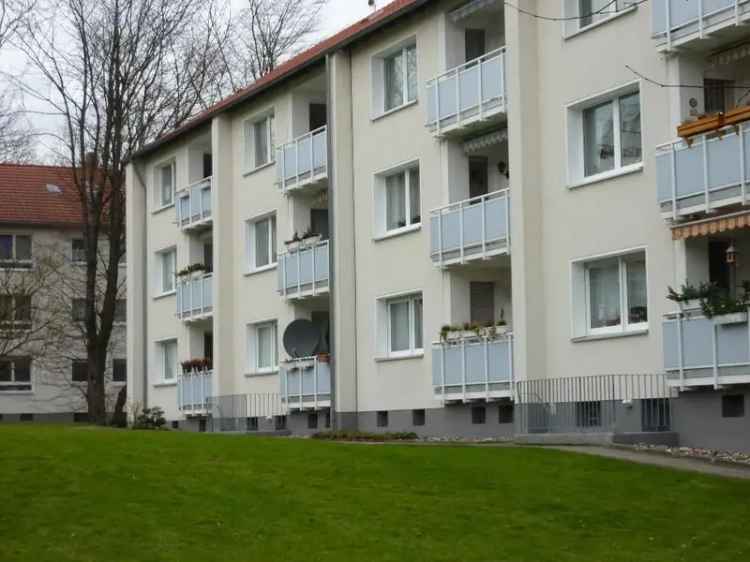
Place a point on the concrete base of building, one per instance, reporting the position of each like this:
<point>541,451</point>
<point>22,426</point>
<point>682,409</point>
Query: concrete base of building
<point>599,439</point>
<point>668,438</point>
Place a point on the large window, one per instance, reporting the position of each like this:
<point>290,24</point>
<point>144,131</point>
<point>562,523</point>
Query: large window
<point>401,332</point>
<point>605,137</point>
<point>119,370</point>
<point>15,312</point>
<point>263,348</point>
<point>262,243</point>
<point>398,200</point>
<point>78,250</point>
<point>15,374</point>
<point>166,265</point>
<point>395,78</point>
<point>167,360</point>
<point>613,296</point>
<point>259,142</point>
<point>15,251</point>
<point>79,371</point>
<point>165,182</point>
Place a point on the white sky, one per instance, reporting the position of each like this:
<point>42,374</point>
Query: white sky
<point>335,16</point>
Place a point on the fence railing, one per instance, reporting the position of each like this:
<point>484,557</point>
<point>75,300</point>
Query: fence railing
<point>306,383</point>
<point>195,297</point>
<point>472,91</point>
<point>303,160</point>
<point>304,272</point>
<point>193,391</point>
<point>673,20</point>
<point>594,404</point>
<point>247,412</point>
<point>194,204</point>
<point>712,170</point>
<point>475,228</point>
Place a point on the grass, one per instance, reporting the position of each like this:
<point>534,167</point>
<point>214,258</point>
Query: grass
<point>74,493</point>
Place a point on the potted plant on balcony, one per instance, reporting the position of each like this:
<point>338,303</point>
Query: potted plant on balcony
<point>310,237</point>
<point>188,271</point>
<point>689,297</point>
<point>192,366</point>
<point>324,357</point>
<point>726,309</point>
<point>293,244</point>
<point>463,331</point>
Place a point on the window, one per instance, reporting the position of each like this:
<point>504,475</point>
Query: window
<point>15,312</point>
<point>417,418</point>
<point>79,371</point>
<point>395,78</point>
<point>262,243</point>
<point>733,406</point>
<point>259,142</point>
<point>611,295</point>
<point>312,421</point>
<point>505,413</point>
<point>79,310</point>
<point>167,265</point>
<point>15,374</point>
<point>581,14</point>
<point>655,414</point>
<point>252,424</point>
<point>165,182</point>
<point>27,417</point>
<point>78,251</point>
<point>119,370</point>
<point>588,414</point>
<point>382,418</point>
<point>279,423</point>
<point>80,417</point>
<point>478,415</point>
<point>403,326</point>
<point>15,251</point>
<point>717,95</point>
<point>121,311</point>
<point>167,358</point>
<point>327,419</point>
<point>397,199</point>
<point>605,136</point>
<point>263,348</point>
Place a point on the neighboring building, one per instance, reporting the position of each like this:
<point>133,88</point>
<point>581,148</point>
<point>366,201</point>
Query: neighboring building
<point>41,250</point>
<point>462,162</point>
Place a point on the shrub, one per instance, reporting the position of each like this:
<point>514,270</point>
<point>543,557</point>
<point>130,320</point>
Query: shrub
<point>365,436</point>
<point>150,418</point>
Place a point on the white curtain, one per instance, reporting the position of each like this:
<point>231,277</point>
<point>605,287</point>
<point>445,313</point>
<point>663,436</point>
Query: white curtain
<point>395,201</point>
<point>399,320</point>
<point>167,184</point>
<point>168,271</point>
<point>261,243</point>
<point>598,139</point>
<point>414,203</point>
<point>170,360</point>
<point>637,291</point>
<point>604,292</point>
<point>394,81</point>
<point>266,346</point>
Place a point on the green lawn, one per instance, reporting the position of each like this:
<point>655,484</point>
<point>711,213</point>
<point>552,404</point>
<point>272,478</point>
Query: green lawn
<point>85,494</point>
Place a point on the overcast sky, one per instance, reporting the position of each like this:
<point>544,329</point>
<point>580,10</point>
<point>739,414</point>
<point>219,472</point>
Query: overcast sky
<point>335,16</point>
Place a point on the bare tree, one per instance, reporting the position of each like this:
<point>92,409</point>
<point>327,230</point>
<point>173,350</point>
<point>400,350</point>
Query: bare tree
<point>121,73</point>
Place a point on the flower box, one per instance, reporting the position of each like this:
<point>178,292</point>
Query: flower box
<point>734,318</point>
<point>714,122</point>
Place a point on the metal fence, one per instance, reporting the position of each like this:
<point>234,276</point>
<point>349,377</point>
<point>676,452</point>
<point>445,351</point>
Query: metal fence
<point>246,412</point>
<point>594,404</point>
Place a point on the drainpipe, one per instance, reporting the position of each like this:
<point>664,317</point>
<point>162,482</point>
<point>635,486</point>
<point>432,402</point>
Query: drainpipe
<point>144,279</point>
<point>331,245</point>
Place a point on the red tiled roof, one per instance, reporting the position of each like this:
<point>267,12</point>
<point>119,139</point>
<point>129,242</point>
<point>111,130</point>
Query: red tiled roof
<point>306,58</point>
<point>25,198</point>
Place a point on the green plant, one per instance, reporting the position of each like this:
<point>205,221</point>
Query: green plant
<point>191,269</point>
<point>309,233</point>
<point>502,322</point>
<point>295,238</point>
<point>689,292</point>
<point>444,329</point>
<point>150,418</point>
<point>200,364</point>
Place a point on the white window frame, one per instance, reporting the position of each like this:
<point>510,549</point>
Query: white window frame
<point>383,331</point>
<point>161,357</point>
<point>76,259</point>
<point>575,135</point>
<point>377,73</point>
<point>254,348</point>
<point>581,296</point>
<point>159,204</point>
<point>248,139</point>
<point>13,382</point>
<point>381,200</point>
<point>273,252</point>
<point>159,289</point>
<point>572,22</point>
<point>14,262</point>
<point>15,322</point>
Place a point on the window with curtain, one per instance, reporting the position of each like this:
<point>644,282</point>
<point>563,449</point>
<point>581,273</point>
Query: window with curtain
<point>405,325</point>
<point>168,351</point>
<point>167,266</point>
<point>165,180</point>
<point>592,11</point>
<point>402,199</point>
<point>262,234</point>
<point>264,348</point>
<point>15,251</point>
<point>15,374</point>
<point>400,77</point>
<point>259,142</point>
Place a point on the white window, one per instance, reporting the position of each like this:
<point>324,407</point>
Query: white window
<point>604,136</point>
<point>15,374</point>
<point>398,203</point>
<point>400,326</point>
<point>15,251</point>
<point>15,313</point>
<point>395,78</point>
<point>263,348</point>
<point>262,243</point>
<point>78,250</point>
<point>166,265</point>
<point>167,359</point>
<point>259,142</point>
<point>610,295</point>
<point>581,14</point>
<point>165,182</point>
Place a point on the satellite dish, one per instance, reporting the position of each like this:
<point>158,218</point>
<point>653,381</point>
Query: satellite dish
<point>301,338</point>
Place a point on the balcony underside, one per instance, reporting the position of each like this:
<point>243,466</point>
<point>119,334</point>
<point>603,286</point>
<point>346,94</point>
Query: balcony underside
<point>308,403</point>
<point>196,317</point>
<point>307,184</point>
<point>471,122</point>
<point>306,291</point>
<point>197,224</point>
<point>694,378</point>
<point>491,254</point>
<point>474,392</point>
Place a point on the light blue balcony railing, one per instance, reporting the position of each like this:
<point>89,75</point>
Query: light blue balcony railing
<point>700,351</point>
<point>476,228</point>
<point>306,383</point>
<point>303,161</point>
<point>194,205</point>
<point>193,392</point>
<point>472,92</point>
<point>712,171</point>
<point>678,21</point>
<point>195,297</point>
<point>475,368</point>
<point>304,272</point>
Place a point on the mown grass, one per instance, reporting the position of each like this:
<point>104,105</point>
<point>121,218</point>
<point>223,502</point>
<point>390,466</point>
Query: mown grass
<point>73,493</point>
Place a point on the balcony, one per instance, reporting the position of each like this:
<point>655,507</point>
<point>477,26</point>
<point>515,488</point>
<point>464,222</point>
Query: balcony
<point>710,171</point>
<point>682,23</point>
<point>303,162</point>
<point>194,205</point>
<point>469,96</point>
<point>474,229</point>
<point>303,272</point>
<point>473,369</point>
<point>195,298</point>
<point>306,384</point>
<point>193,392</point>
<point>700,351</point>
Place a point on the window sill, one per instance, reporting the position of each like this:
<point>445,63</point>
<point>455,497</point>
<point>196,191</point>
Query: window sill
<point>632,169</point>
<point>582,30</point>
<point>613,335</point>
<point>16,392</point>
<point>394,110</point>
<point>388,358</point>
<point>263,269</point>
<point>252,171</point>
<point>164,295</point>
<point>398,232</point>
<point>255,374</point>
<point>161,209</point>
<point>165,384</point>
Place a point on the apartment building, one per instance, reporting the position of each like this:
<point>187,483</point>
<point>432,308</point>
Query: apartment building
<point>407,225</point>
<point>41,299</point>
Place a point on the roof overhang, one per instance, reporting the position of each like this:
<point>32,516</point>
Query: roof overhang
<point>708,227</point>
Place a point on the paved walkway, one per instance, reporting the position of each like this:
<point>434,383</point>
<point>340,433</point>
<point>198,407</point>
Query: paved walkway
<point>666,461</point>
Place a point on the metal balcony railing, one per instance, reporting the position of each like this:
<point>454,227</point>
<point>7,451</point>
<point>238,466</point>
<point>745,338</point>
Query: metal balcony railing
<point>193,391</point>
<point>194,204</point>
<point>306,383</point>
<point>303,161</point>
<point>679,21</point>
<point>304,272</point>
<point>195,297</point>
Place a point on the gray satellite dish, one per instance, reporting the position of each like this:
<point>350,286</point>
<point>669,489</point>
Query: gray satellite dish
<point>301,338</point>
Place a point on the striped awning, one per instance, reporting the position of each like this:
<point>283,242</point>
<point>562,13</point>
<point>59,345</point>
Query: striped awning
<point>707,227</point>
<point>731,55</point>
<point>485,141</point>
<point>470,7</point>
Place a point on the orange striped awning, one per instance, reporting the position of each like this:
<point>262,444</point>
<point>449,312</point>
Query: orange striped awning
<point>707,227</point>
